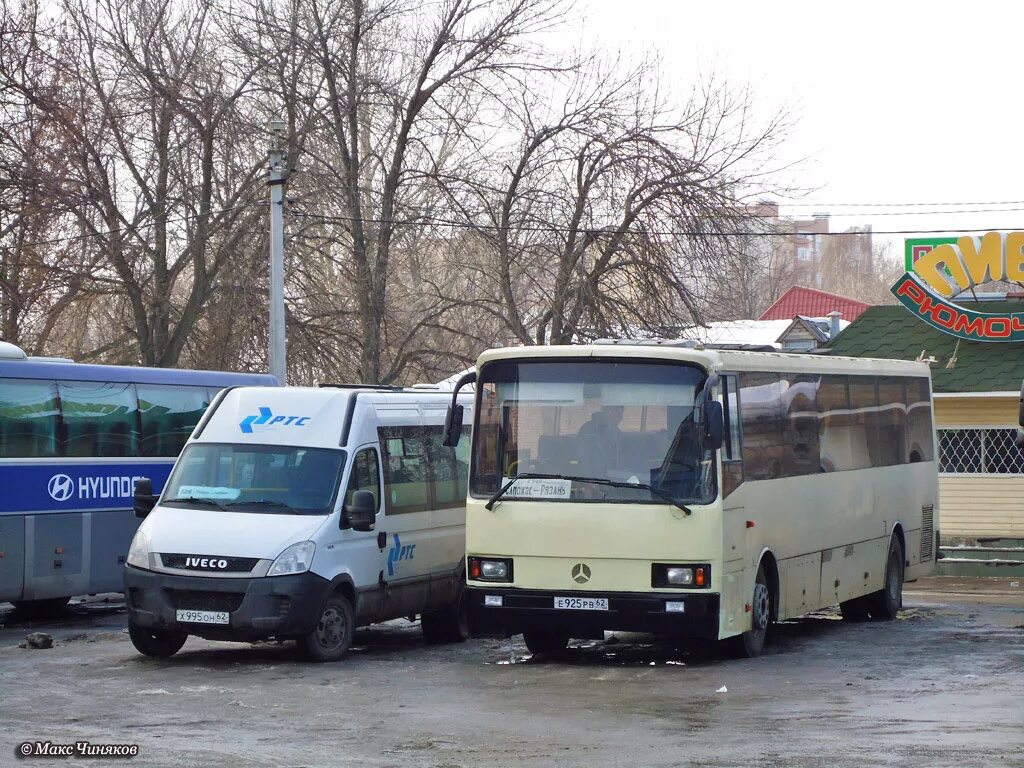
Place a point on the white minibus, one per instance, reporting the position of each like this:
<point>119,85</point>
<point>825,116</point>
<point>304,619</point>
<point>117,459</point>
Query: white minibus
<point>697,492</point>
<point>301,514</point>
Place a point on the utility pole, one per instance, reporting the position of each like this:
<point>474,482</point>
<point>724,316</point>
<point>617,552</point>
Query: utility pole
<point>278,177</point>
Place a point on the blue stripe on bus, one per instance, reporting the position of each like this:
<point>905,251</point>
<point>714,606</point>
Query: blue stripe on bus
<point>67,486</point>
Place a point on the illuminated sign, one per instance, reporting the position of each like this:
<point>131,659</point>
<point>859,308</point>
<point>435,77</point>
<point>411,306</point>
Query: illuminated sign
<point>940,268</point>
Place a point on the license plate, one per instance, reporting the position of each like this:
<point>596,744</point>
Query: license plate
<point>582,603</point>
<point>203,617</point>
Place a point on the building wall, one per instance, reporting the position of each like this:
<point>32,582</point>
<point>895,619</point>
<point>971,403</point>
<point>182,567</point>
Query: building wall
<point>980,506</point>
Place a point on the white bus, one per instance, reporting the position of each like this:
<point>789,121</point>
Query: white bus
<point>697,492</point>
<point>298,513</point>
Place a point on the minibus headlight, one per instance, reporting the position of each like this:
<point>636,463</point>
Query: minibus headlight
<point>296,559</point>
<point>138,552</point>
<point>490,569</point>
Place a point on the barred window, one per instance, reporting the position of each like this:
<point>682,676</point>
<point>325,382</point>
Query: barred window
<point>980,452</point>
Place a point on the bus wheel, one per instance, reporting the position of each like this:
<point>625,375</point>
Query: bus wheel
<point>541,642</point>
<point>333,633</point>
<point>158,643</point>
<point>751,643</point>
<point>888,601</point>
<point>41,609</point>
<point>450,625</point>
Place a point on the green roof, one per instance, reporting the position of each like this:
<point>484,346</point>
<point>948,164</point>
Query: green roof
<point>892,332</point>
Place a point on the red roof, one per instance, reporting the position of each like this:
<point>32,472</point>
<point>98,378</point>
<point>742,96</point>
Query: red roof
<point>811,302</point>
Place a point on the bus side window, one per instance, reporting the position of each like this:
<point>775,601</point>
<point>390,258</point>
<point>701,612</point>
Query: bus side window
<point>406,472</point>
<point>732,455</point>
<point>919,420</point>
<point>168,415</point>
<point>28,419</point>
<point>365,476</point>
<point>99,419</point>
<point>763,415</point>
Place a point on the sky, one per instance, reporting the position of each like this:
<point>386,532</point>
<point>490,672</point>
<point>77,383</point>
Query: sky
<point>895,102</point>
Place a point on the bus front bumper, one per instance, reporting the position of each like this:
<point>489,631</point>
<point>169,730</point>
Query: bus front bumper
<point>529,609</point>
<point>257,608</point>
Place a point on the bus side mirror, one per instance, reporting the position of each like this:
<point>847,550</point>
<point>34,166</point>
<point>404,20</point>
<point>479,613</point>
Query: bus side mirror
<point>714,425</point>
<point>452,426</point>
<point>362,512</point>
<point>144,498</point>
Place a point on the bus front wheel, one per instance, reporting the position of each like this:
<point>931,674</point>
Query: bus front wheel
<point>751,643</point>
<point>544,642</point>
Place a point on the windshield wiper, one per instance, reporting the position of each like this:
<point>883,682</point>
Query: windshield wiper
<point>264,503</point>
<point>195,500</point>
<point>595,480</point>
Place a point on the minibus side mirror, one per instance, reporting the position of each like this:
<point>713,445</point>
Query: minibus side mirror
<point>144,498</point>
<point>362,511</point>
<point>453,426</point>
<point>714,425</point>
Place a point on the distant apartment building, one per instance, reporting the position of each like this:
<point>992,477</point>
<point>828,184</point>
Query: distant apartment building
<point>810,246</point>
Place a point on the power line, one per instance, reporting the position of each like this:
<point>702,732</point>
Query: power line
<point>142,226</point>
<point>885,205</point>
<point>610,229</point>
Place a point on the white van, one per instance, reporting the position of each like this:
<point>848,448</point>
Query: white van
<point>301,514</point>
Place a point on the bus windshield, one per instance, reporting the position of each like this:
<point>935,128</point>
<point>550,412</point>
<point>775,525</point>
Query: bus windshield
<point>560,423</point>
<point>276,479</point>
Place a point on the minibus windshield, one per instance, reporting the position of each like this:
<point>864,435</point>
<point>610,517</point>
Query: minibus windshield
<point>274,479</point>
<point>631,428</point>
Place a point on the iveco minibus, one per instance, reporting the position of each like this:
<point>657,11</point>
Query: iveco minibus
<point>697,492</point>
<point>301,514</point>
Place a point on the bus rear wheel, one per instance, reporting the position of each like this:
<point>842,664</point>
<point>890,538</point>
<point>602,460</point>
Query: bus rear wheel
<point>751,643</point>
<point>888,601</point>
<point>160,644</point>
<point>49,608</point>
<point>541,642</point>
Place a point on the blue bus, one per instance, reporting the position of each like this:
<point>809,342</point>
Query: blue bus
<point>73,440</point>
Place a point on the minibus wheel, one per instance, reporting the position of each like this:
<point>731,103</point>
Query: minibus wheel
<point>888,601</point>
<point>333,633</point>
<point>158,643</point>
<point>542,642</point>
<point>449,625</point>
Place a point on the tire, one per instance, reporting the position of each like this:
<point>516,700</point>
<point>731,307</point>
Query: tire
<point>449,625</point>
<point>751,643</point>
<point>855,610</point>
<point>888,601</point>
<point>158,643</point>
<point>42,609</point>
<point>545,643</point>
<point>333,633</point>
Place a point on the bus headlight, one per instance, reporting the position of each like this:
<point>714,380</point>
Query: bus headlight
<point>681,576</point>
<point>672,575</point>
<point>490,569</point>
<point>295,559</point>
<point>138,552</point>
